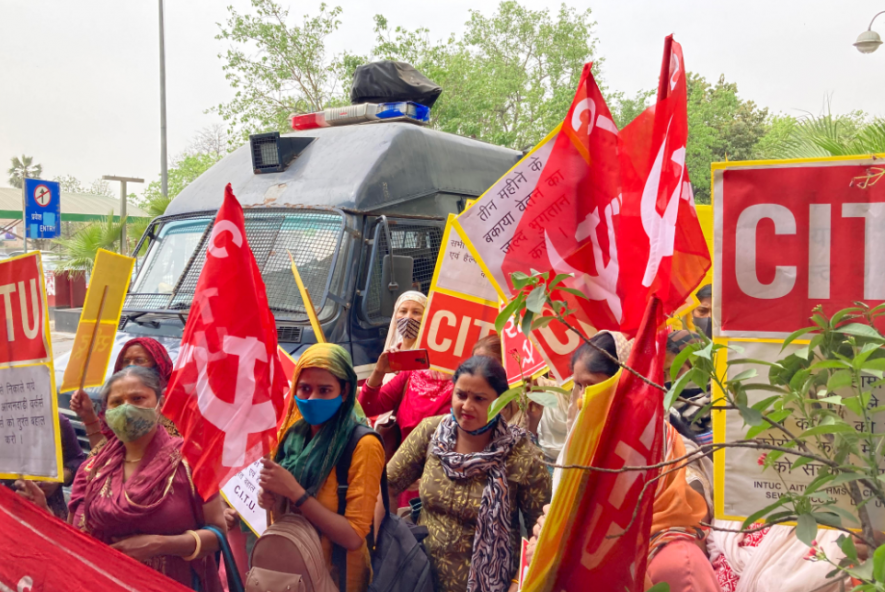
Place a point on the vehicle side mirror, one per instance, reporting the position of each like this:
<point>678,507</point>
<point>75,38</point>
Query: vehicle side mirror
<point>396,278</point>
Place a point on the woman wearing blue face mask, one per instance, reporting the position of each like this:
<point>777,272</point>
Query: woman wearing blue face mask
<point>477,477</point>
<point>301,486</point>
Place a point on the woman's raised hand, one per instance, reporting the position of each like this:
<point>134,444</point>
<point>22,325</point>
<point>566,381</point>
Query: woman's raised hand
<point>81,404</point>
<point>266,500</point>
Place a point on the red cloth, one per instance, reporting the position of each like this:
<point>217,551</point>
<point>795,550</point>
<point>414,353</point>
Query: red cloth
<point>162,361</point>
<point>414,395</point>
<point>600,550</point>
<point>157,499</point>
<point>227,393</point>
<point>43,554</point>
<point>570,224</point>
<point>661,244</point>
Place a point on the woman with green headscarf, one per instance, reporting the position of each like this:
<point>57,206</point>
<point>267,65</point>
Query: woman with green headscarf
<point>301,487</point>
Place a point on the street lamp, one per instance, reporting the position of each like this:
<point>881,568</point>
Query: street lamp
<point>123,181</point>
<point>869,41</point>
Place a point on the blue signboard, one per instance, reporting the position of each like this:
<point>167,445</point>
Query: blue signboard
<point>42,209</point>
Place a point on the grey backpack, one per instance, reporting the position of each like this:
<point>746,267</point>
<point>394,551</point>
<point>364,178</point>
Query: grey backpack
<point>399,560</point>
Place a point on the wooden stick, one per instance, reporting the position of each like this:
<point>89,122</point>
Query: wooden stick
<point>104,293</point>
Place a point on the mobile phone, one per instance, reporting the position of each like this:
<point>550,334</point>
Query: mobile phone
<point>412,359</point>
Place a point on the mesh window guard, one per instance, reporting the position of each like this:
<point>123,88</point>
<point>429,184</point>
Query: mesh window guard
<point>421,242</point>
<point>313,238</point>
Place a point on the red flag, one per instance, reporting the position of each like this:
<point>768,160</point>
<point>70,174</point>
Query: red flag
<point>226,395</point>
<point>42,554</point>
<point>571,221</point>
<point>660,235</point>
<point>605,551</point>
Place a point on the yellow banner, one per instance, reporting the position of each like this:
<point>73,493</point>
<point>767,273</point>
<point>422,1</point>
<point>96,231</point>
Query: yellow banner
<point>580,450</point>
<point>98,321</point>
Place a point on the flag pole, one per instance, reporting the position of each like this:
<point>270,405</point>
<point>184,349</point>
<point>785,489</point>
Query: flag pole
<point>663,86</point>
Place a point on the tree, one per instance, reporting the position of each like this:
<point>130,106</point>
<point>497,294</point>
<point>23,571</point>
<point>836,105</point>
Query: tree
<point>71,184</point>
<point>289,73</point>
<point>509,79</point>
<point>212,139</point>
<point>721,126</point>
<point>832,135</point>
<point>21,168</point>
<point>78,252</point>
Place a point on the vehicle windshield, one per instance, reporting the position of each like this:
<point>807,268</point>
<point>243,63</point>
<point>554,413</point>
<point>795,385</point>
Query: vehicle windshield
<point>168,274</point>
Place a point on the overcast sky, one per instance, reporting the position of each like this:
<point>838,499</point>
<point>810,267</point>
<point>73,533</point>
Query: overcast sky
<point>80,80</point>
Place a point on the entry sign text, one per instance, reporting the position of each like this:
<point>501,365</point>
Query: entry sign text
<point>790,237</point>
<point>42,209</point>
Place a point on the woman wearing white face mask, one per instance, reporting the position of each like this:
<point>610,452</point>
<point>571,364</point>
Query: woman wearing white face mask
<point>411,395</point>
<point>405,399</point>
<point>136,494</point>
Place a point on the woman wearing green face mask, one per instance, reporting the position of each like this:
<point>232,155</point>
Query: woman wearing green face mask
<point>136,494</point>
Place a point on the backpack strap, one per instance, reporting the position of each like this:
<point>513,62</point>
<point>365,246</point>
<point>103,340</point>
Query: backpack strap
<point>342,471</point>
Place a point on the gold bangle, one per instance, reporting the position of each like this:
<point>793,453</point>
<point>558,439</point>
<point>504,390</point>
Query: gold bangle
<point>199,545</point>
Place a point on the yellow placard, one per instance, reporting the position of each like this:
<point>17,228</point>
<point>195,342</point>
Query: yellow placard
<point>99,320</point>
<point>580,450</point>
<point>308,304</point>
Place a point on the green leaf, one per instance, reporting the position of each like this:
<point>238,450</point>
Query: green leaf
<point>839,379</point>
<point>820,321</point>
<point>681,358</point>
<point>762,405</point>
<point>750,415</point>
<point>503,400</point>
<point>860,330</point>
<point>839,428</point>
<point>706,352</point>
<point>846,543</point>
<point>552,389</point>
<point>518,276</point>
<point>544,398</point>
<point>675,390</point>
<point>541,322</point>
<point>736,361</point>
<point>876,364</point>
<point>865,352</point>
<point>846,478</point>
<point>750,373</point>
<point>801,461</point>
<point>854,404</point>
<point>765,387</point>
<point>526,325</point>
<point>832,400</point>
<point>806,529</point>
<point>796,335</point>
<point>559,278</point>
<point>660,587</point>
<point>878,563</point>
<point>573,292</point>
<point>536,300</point>
<point>764,511</point>
<point>829,365</point>
<point>505,315</point>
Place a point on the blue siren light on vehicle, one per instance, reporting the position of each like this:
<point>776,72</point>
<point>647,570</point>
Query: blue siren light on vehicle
<point>363,113</point>
<point>403,109</point>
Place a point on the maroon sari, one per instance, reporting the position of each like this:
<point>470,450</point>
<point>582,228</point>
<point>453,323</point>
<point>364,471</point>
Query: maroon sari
<point>158,499</point>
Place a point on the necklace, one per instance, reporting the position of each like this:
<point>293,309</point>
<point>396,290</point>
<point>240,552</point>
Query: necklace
<point>134,460</point>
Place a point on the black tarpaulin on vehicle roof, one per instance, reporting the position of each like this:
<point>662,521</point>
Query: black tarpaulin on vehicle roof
<point>359,167</point>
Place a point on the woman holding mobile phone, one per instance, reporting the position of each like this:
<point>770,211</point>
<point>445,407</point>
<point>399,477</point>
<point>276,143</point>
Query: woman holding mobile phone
<point>411,395</point>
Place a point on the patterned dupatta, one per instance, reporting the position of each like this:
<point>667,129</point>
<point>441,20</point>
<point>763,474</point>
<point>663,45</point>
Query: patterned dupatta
<point>132,500</point>
<point>491,564</point>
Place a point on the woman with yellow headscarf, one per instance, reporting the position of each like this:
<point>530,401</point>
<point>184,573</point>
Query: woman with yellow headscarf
<point>301,487</point>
